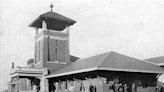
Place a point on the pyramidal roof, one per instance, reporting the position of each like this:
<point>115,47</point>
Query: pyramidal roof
<point>111,61</point>
<point>54,21</point>
<point>57,16</point>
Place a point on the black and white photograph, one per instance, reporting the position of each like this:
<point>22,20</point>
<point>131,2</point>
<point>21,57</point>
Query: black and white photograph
<point>81,45</point>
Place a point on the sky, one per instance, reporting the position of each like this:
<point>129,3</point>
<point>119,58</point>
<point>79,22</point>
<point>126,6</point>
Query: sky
<point>130,27</point>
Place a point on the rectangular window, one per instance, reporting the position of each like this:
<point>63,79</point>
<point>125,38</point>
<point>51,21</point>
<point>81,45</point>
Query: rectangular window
<point>51,44</point>
<point>61,51</point>
<point>57,51</point>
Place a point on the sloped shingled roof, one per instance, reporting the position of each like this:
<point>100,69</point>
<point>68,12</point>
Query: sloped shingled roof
<point>157,60</point>
<point>111,61</point>
<point>73,58</point>
<point>54,21</point>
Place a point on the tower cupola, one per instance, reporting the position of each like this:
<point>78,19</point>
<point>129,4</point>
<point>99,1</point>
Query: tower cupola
<point>53,20</point>
<point>52,39</point>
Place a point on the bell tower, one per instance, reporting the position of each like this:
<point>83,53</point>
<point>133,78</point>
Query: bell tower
<point>52,40</point>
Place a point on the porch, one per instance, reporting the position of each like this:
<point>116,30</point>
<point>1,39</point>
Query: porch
<point>25,79</point>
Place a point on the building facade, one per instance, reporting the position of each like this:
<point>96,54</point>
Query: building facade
<point>53,69</point>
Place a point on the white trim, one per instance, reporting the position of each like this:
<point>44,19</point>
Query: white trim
<point>66,30</point>
<point>51,37</point>
<point>30,75</point>
<point>39,38</point>
<point>56,62</point>
<point>30,64</point>
<point>72,72</point>
<point>42,35</point>
<point>33,64</point>
<point>148,62</point>
<point>160,64</point>
<point>13,83</point>
<point>44,25</point>
<point>37,63</point>
<point>129,70</point>
<point>54,31</point>
<point>27,70</point>
<point>56,37</point>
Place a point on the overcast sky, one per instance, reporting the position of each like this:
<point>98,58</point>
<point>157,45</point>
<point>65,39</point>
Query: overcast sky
<point>131,27</point>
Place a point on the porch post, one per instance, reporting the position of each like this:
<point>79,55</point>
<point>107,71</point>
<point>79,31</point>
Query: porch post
<point>44,82</point>
<point>17,83</point>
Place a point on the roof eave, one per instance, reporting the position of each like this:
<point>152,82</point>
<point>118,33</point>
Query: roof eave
<point>129,70</point>
<point>103,68</point>
<point>40,18</point>
<point>31,24</point>
<point>72,72</point>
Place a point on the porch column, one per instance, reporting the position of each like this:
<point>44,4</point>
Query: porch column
<point>57,87</point>
<point>44,81</point>
<point>44,84</point>
<point>17,84</point>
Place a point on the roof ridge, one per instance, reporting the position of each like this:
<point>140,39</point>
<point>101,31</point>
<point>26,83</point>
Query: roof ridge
<point>55,13</point>
<point>138,60</point>
<point>161,56</point>
<point>91,56</point>
<point>148,62</point>
<point>105,56</point>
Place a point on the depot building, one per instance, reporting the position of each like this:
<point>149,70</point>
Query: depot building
<point>54,69</point>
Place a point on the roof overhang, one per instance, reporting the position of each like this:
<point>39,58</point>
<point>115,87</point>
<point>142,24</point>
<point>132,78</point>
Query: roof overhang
<point>54,21</point>
<point>160,64</point>
<point>71,72</point>
<point>129,70</point>
<point>26,75</point>
<point>103,68</point>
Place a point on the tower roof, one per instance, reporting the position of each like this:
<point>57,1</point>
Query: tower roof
<point>54,21</point>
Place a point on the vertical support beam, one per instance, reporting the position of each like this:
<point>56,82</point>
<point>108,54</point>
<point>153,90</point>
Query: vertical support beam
<point>67,53</point>
<point>48,46</point>
<point>17,84</point>
<point>44,25</point>
<point>36,50</point>
<point>34,88</point>
<point>57,87</point>
<point>56,50</point>
<point>11,85</point>
<point>44,82</point>
<point>36,31</point>
<point>46,85</point>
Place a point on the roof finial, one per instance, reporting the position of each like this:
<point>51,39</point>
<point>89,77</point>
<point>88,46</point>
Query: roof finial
<point>51,6</point>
